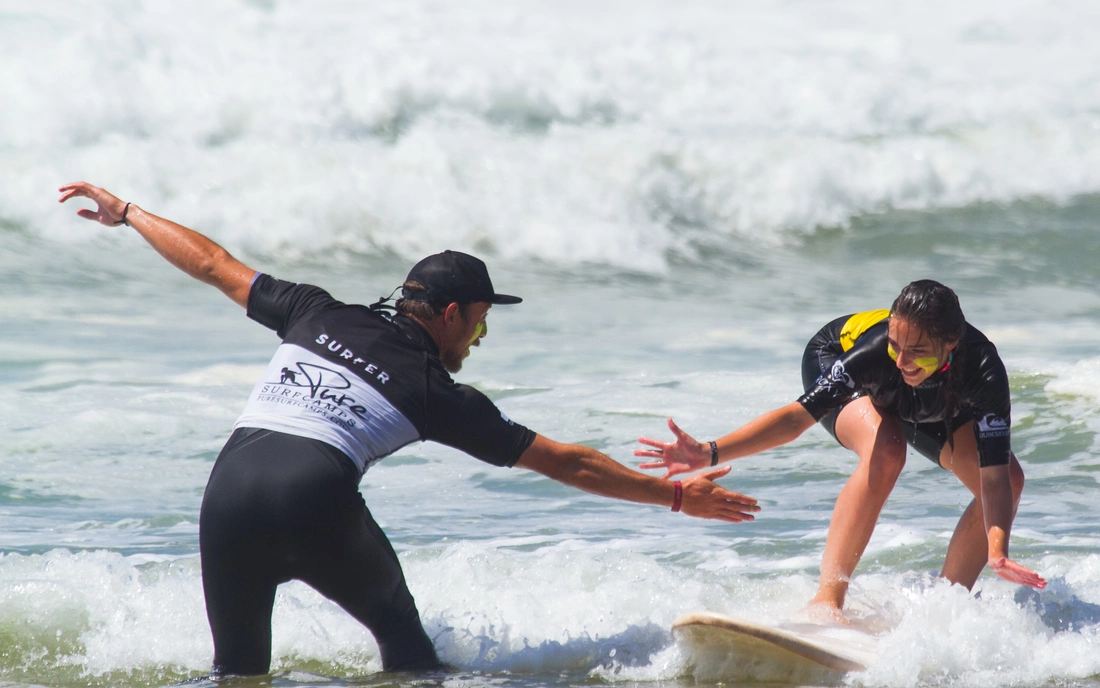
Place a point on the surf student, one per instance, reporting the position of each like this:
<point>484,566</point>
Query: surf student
<point>349,385</point>
<point>916,375</point>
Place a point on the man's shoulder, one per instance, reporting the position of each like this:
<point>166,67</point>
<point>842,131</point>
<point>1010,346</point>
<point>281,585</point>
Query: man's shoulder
<point>360,322</point>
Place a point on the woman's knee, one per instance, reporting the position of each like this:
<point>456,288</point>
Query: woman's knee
<point>877,438</point>
<point>887,462</point>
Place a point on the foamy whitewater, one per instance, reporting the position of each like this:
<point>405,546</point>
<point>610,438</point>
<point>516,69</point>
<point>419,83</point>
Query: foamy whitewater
<point>683,193</point>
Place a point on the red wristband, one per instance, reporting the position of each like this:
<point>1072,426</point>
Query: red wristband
<point>678,497</point>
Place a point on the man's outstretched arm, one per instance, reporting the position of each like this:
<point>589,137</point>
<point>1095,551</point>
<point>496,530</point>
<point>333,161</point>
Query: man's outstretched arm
<point>589,470</point>
<point>185,248</point>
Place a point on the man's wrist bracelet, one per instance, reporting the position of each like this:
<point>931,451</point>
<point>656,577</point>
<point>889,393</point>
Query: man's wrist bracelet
<point>678,495</point>
<point>713,453</point>
<point>123,220</point>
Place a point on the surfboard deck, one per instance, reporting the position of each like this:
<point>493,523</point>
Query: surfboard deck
<point>832,647</point>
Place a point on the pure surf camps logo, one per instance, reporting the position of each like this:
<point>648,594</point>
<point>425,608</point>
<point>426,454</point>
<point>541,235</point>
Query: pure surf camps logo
<point>325,392</point>
<point>317,378</point>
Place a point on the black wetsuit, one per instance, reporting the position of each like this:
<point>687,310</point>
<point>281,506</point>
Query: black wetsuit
<point>347,387</point>
<point>848,359</point>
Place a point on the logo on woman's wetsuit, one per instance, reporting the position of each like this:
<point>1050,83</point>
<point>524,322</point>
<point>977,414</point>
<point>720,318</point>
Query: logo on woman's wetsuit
<point>992,425</point>
<point>838,374</point>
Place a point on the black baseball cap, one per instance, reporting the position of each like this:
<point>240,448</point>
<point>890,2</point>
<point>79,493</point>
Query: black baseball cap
<point>453,277</point>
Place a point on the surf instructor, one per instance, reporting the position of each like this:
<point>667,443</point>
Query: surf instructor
<point>348,386</point>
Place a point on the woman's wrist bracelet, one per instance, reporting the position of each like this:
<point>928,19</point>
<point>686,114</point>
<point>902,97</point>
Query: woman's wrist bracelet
<point>678,495</point>
<point>713,453</point>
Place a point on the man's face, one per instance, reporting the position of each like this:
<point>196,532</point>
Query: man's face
<point>462,333</point>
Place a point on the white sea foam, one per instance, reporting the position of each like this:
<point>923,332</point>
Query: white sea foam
<point>100,614</point>
<point>563,132</point>
<point>1082,379</point>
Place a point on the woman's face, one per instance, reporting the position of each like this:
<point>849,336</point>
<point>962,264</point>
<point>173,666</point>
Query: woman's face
<point>916,354</point>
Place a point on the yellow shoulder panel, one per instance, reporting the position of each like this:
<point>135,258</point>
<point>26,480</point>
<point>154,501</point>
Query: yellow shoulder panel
<point>858,324</point>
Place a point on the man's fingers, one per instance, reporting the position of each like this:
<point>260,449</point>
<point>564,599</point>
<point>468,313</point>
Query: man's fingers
<point>739,517</point>
<point>731,515</point>
<point>743,512</point>
<point>98,196</point>
<point>706,500</point>
<point>742,507</point>
<point>737,501</point>
<point>728,518</point>
<point>742,502</point>
<point>77,189</point>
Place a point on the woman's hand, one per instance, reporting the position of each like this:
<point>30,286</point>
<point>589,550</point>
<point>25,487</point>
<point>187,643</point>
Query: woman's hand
<point>1015,573</point>
<point>682,456</point>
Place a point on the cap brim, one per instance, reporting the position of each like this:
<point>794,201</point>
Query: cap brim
<point>505,299</point>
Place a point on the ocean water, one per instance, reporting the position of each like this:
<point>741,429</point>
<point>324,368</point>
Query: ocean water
<point>683,193</point>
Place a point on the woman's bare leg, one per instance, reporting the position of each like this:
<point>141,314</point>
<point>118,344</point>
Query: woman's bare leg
<point>880,444</point>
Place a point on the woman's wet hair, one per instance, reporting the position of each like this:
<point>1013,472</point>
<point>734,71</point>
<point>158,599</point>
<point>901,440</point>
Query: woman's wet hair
<point>934,308</point>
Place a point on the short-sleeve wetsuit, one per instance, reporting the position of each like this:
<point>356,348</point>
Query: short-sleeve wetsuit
<point>348,386</point>
<point>848,359</point>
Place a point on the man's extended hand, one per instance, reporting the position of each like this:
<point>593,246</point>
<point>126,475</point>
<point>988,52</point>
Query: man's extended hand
<point>705,499</point>
<point>109,208</point>
<point>188,250</point>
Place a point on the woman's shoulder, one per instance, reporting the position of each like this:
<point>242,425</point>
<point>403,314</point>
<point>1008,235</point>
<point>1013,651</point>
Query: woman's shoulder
<point>973,338</point>
<point>981,364</point>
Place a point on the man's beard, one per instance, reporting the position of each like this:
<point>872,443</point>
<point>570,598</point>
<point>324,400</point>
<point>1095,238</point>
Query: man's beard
<point>452,360</point>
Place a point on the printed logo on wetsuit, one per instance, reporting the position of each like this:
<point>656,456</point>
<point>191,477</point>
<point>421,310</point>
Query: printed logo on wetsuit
<point>930,383</point>
<point>351,359</point>
<point>992,425</point>
<point>838,374</point>
<point>307,395</point>
<point>315,387</point>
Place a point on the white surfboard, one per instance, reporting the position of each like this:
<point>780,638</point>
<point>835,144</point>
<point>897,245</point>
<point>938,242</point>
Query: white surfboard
<point>789,651</point>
